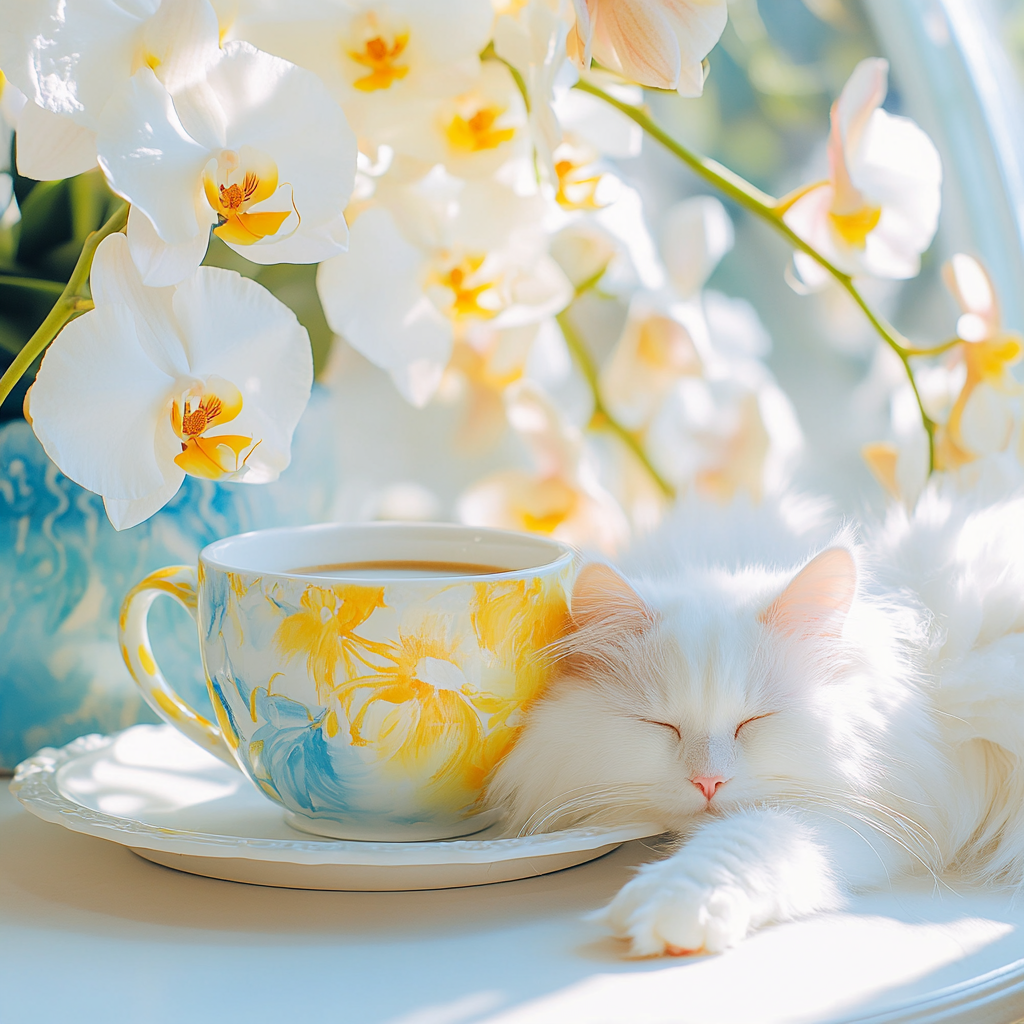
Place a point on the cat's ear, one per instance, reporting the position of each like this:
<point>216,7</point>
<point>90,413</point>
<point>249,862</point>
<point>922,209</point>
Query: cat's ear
<point>817,600</point>
<point>601,595</point>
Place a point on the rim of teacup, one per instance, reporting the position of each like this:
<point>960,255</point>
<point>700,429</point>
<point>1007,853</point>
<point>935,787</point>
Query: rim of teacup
<point>559,555</point>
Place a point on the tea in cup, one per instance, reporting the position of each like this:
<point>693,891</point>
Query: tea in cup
<point>366,677</point>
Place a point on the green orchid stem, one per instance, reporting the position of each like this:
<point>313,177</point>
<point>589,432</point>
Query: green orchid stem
<point>771,210</point>
<point>936,350</point>
<point>602,415</point>
<point>72,301</point>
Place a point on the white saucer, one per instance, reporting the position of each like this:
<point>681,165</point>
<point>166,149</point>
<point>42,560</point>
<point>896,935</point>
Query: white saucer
<point>152,790</point>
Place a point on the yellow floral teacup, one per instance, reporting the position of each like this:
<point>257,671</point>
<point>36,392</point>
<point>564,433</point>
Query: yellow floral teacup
<point>366,677</point>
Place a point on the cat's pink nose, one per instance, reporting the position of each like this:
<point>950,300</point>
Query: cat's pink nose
<point>708,784</point>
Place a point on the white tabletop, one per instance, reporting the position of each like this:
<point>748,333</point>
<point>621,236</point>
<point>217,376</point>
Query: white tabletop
<point>91,933</point>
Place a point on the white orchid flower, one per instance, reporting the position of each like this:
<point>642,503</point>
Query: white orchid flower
<point>257,149</point>
<point>415,280</point>
<point>715,421</point>
<point>590,130</point>
<point>879,209</point>
<point>208,378</point>
<point>657,43</point>
<point>982,418</point>
<point>70,56</point>
<point>376,56</point>
<point>655,351</point>
<point>972,395</point>
<point>473,133</point>
<point>562,497</point>
<point>608,239</point>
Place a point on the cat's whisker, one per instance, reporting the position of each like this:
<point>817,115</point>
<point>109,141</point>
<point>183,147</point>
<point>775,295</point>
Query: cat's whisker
<point>582,800</point>
<point>911,837</point>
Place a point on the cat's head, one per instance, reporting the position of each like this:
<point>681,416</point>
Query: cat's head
<point>680,699</point>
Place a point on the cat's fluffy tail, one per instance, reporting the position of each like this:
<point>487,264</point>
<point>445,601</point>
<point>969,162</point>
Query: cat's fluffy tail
<point>964,561</point>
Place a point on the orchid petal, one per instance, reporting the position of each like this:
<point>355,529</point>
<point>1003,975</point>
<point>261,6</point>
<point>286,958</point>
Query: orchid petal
<point>851,114</point>
<point>312,243</point>
<point>235,329</point>
<point>697,233</point>
<point>150,160</point>
<point>373,297</point>
<point>986,423</point>
<point>861,96</point>
<point>69,58</point>
<point>971,287</point>
<point>555,448</point>
<point>624,220</point>
<point>72,57</point>
<point>111,442</point>
<point>52,147</point>
<point>697,25</point>
<point>128,513</point>
<point>160,263</point>
<point>608,130</point>
<point>116,281</point>
<point>635,38</point>
<point>182,40</point>
<point>898,168</point>
<point>581,36</point>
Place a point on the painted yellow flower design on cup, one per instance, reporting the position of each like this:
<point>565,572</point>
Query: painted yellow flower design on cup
<point>416,711</point>
<point>325,632</point>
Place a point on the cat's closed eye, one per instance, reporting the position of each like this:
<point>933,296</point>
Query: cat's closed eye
<point>747,721</point>
<point>666,725</point>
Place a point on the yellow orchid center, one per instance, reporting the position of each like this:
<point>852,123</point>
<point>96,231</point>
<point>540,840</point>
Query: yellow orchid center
<point>988,360</point>
<point>882,459</point>
<point>854,228</point>
<point>380,58</point>
<point>145,58</point>
<point>196,412</point>
<point>471,297</point>
<point>474,132</point>
<point>577,189</point>
<point>547,505</point>
<point>233,184</point>
<point>663,344</point>
<point>196,420</point>
<point>987,363</point>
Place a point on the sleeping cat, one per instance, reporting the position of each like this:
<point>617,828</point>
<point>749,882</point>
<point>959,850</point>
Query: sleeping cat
<point>809,726</point>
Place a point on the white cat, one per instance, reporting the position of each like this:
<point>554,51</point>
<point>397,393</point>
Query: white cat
<point>807,731</point>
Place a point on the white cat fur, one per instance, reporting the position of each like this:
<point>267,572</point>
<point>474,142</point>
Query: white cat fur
<point>893,736</point>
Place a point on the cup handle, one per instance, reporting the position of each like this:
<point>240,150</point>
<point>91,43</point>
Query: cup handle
<point>179,582</point>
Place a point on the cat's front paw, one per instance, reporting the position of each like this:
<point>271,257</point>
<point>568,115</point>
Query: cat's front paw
<point>665,909</point>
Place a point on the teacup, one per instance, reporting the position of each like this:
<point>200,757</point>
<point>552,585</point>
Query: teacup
<point>366,677</point>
